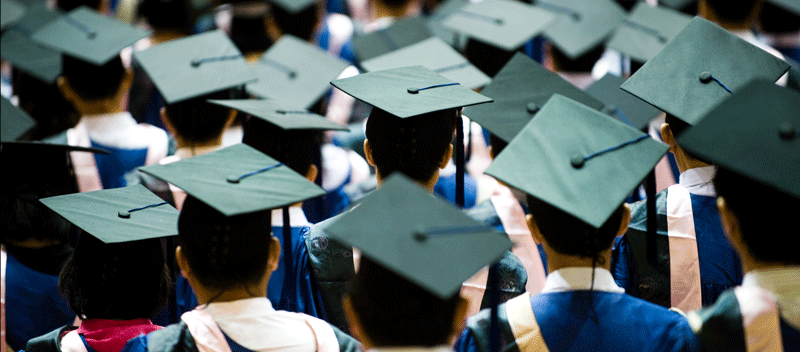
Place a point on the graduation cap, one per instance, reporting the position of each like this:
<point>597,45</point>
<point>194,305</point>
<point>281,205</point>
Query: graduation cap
<point>580,25</point>
<point>237,180</point>
<point>400,34</point>
<point>754,133</point>
<point>292,6</point>
<point>646,31</point>
<point>439,14</point>
<point>587,163</point>
<point>700,67</point>
<point>295,71</point>
<point>792,6</point>
<point>680,5</point>
<point>194,66</point>
<point>418,236</point>
<point>15,121</point>
<point>505,24</point>
<point>283,115</point>
<point>86,35</point>
<point>10,12</point>
<point>26,55</point>
<point>519,91</point>
<point>117,215</point>
<point>621,104</point>
<point>436,55</point>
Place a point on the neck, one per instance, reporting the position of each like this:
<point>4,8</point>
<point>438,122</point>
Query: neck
<point>428,185</point>
<point>381,10</point>
<point>183,143</point>
<point>165,35</point>
<point>686,162</point>
<point>205,295</point>
<point>705,11</point>
<point>101,107</point>
<point>556,261</point>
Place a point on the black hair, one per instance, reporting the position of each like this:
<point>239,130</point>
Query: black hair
<point>732,10</point>
<point>395,4</point>
<point>167,15</point>
<point>92,82</point>
<point>69,5</point>
<point>395,312</point>
<point>224,251</point>
<point>297,149</point>
<point>196,120</point>
<point>764,215</point>
<point>249,34</point>
<point>120,281</point>
<point>414,146</point>
<point>301,24</point>
<point>497,144</point>
<point>774,19</point>
<point>45,103</point>
<point>569,235</point>
<point>583,63</point>
<point>487,58</point>
<point>26,218</point>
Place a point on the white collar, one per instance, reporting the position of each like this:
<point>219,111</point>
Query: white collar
<point>108,122</point>
<point>297,217</point>
<point>699,180</point>
<point>239,308</point>
<point>784,283</point>
<point>579,278</point>
<point>188,152</point>
<point>442,348</point>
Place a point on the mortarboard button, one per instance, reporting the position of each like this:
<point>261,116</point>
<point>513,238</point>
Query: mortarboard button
<point>705,77</point>
<point>124,214</point>
<point>233,179</point>
<point>532,108</point>
<point>413,90</point>
<point>577,161</point>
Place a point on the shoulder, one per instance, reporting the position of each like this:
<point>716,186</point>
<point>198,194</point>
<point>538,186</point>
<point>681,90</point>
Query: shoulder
<point>719,327</point>
<point>346,342</point>
<point>172,338</point>
<point>330,260</point>
<point>485,213</point>
<point>49,342</point>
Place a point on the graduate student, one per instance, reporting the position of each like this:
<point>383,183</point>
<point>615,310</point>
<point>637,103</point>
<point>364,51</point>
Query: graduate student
<point>95,81</point>
<point>432,248</point>
<point>755,127</point>
<point>694,263</point>
<point>227,254</point>
<point>589,164</point>
<point>117,279</point>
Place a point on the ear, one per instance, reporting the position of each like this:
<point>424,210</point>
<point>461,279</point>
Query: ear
<point>491,152</point>
<point>355,323</point>
<point>458,318</point>
<point>537,235</point>
<point>274,254</point>
<point>65,89</point>
<point>667,137</point>
<point>165,120</point>
<point>730,225</point>
<point>312,173</point>
<point>446,157</point>
<point>368,152</point>
<point>183,264</point>
<point>626,220</point>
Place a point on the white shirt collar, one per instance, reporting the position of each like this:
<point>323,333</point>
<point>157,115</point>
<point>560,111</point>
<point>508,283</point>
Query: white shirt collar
<point>698,181</point>
<point>239,308</point>
<point>297,217</point>
<point>188,152</point>
<point>104,123</point>
<point>785,284</point>
<point>580,278</point>
<point>442,348</point>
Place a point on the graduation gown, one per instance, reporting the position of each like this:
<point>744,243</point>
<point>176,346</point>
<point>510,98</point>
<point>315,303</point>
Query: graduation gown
<point>94,335</point>
<point>695,261</point>
<point>568,317</point>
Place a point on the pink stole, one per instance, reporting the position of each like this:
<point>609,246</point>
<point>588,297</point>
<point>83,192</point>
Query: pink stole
<point>82,162</point>
<point>760,319</point>
<point>684,262</point>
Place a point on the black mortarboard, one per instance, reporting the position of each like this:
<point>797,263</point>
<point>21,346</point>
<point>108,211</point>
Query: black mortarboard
<point>586,162</point>
<point>117,215</point>
<point>580,25</point>
<point>194,66</point>
<point>283,115</point>
<point>17,47</point>
<point>646,31</point>
<point>295,71</point>
<point>10,12</point>
<point>237,180</point>
<point>292,6</point>
<point>400,34</point>
<point>419,236</point>
<point>436,55</point>
<point>87,35</point>
<point>621,104</point>
<point>754,133</point>
<point>700,67</point>
<point>409,91</point>
<point>519,90</point>
<point>15,121</point>
<point>505,24</point>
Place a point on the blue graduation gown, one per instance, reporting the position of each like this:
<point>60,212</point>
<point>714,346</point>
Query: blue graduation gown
<point>590,320</point>
<point>720,268</point>
<point>113,167</point>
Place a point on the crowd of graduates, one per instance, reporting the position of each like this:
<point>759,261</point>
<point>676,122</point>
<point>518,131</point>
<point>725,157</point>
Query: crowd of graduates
<point>413,175</point>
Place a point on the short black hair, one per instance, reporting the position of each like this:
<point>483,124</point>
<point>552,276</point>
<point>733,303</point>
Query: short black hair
<point>583,63</point>
<point>301,24</point>
<point>486,57</point>
<point>69,5</point>
<point>676,125</point>
<point>45,103</point>
<point>732,10</point>
<point>196,120</point>
<point>569,235</point>
<point>297,149</point>
<point>774,19</point>
<point>414,146</point>
<point>120,281</point>
<point>224,251</point>
<point>764,215</point>
<point>92,82</point>
<point>167,15</point>
<point>497,144</point>
<point>395,312</point>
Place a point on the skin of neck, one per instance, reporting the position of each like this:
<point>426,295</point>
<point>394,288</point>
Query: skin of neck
<point>382,10</point>
<point>112,105</point>
<point>685,161</point>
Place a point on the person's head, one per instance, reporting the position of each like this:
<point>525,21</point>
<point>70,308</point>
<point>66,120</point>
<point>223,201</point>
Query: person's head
<point>583,63</point>
<point>120,281</point>
<point>774,19</point>
<point>167,15</point>
<point>45,103</point>
<point>196,121</point>
<point>89,86</point>
<point>390,311</point>
<point>496,145</point>
<point>756,218</point>
<point>297,149</point>
<point>302,24</point>
<point>487,58</point>
<point>671,129</point>
<point>728,12</point>
<point>69,5</point>
<point>570,236</point>
<point>220,253</point>
<point>416,146</point>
